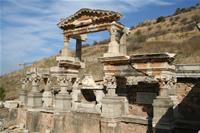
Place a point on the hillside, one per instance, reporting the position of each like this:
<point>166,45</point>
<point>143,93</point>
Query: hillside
<point>175,34</point>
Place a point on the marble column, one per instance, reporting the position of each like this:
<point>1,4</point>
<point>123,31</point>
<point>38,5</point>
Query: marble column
<point>112,107</point>
<point>163,115</point>
<point>24,91</point>
<point>66,50</point>
<point>63,100</point>
<point>113,46</point>
<point>78,48</point>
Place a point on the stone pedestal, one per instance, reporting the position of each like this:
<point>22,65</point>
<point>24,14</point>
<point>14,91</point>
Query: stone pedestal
<point>63,101</point>
<point>47,97</point>
<point>23,97</point>
<point>110,125</point>
<point>24,91</point>
<point>35,97</point>
<point>163,115</point>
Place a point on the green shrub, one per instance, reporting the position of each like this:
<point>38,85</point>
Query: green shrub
<point>138,32</point>
<point>2,93</point>
<point>160,19</point>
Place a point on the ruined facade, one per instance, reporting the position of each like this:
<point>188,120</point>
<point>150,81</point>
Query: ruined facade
<point>139,93</point>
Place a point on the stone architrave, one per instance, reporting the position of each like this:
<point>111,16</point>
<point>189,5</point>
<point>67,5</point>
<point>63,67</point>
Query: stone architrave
<point>47,95</point>
<point>34,96</point>
<point>63,100</point>
<point>24,91</point>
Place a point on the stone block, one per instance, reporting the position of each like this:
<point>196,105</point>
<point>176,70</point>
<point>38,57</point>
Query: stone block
<point>47,98</point>
<point>114,107</point>
<point>63,102</point>
<point>10,104</point>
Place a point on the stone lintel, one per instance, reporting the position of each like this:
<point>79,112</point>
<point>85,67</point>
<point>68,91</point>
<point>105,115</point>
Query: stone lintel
<point>115,59</point>
<point>80,37</point>
<point>160,57</point>
<point>188,70</point>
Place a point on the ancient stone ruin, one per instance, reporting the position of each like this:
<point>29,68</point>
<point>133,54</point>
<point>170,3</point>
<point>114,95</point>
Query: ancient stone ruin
<point>139,93</point>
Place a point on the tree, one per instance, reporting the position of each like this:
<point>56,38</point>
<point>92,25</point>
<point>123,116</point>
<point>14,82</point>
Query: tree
<point>197,4</point>
<point>160,19</point>
<point>178,10</point>
<point>95,43</point>
<point>2,93</point>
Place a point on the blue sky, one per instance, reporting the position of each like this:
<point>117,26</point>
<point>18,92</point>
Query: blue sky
<point>29,29</point>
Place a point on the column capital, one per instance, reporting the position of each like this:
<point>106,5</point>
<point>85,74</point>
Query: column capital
<point>24,80</point>
<point>63,81</point>
<point>110,82</point>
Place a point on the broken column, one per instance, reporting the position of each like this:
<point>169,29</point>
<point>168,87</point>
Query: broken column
<point>63,98</point>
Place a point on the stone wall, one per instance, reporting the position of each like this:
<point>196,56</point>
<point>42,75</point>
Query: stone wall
<point>141,109</point>
<point>135,128</point>
<point>188,92</point>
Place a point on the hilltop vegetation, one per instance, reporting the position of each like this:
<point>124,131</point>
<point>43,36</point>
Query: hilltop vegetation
<point>176,33</point>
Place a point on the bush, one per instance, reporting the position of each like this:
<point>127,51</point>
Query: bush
<point>2,93</point>
<point>160,19</point>
<point>184,20</point>
<point>196,18</point>
<point>177,18</point>
<point>138,32</point>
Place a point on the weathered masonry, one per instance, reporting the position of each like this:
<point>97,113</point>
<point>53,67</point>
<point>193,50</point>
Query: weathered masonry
<point>144,93</point>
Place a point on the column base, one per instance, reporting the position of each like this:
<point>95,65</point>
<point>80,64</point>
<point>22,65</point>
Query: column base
<point>110,125</point>
<point>23,97</point>
<point>63,103</point>
<point>34,100</point>
<point>114,106</point>
<point>163,120</point>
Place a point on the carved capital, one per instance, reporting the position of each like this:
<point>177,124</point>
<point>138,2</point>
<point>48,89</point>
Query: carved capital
<point>35,80</point>
<point>110,82</point>
<point>24,80</point>
<point>63,81</point>
<point>113,31</point>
